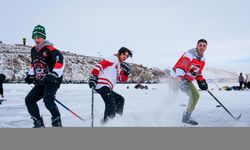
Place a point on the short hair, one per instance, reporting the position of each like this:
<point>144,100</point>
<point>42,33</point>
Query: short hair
<point>202,40</point>
<point>123,50</point>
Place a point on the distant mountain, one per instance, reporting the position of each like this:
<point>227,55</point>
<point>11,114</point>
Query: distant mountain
<point>15,59</point>
<point>220,75</point>
<point>216,75</point>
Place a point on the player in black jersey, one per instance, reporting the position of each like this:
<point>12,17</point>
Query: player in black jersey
<point>46,70</point>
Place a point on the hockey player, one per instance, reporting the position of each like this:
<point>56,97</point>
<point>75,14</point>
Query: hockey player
<point>45,72</point>
<point>188,68</point>
<point>2,78</point>
<point>103,78</point>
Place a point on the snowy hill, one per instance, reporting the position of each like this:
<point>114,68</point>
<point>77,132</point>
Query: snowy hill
<point>14,61</point>
<point>220,75</point>
<point>216,75</point>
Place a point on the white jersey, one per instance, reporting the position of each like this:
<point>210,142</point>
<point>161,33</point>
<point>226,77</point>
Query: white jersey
<point>109,73</point>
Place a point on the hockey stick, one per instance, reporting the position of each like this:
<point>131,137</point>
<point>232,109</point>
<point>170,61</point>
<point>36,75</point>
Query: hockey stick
<point>72,112</point>
<point>69,110</point>
<point>235,118</point>
<point>92,108</point>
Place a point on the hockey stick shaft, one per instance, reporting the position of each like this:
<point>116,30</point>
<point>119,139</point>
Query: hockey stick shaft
<point>72,112</point>
<point>236,118</point>
<point>92,107</point>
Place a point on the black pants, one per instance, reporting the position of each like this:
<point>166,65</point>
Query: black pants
<point>248,85</point>
<point>47,92</point>
<point>245,85</point>
<point>241,83</point>
<point>1,88</point>
<point>114,102</point>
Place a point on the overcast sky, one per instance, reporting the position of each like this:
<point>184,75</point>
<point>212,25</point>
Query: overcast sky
<point>158,31</point>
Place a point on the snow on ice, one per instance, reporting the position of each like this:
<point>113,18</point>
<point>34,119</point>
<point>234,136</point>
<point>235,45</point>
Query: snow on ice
<point>155,107</point>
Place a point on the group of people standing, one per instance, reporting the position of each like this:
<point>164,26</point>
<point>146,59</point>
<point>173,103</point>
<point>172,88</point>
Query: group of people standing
<point>46,73</point>
<point>244,81</point>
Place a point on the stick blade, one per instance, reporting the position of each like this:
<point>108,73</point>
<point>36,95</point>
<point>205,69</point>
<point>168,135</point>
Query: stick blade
<point>238,118</point>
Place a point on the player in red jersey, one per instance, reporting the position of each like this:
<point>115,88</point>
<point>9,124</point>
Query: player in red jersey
<point>188,68</point>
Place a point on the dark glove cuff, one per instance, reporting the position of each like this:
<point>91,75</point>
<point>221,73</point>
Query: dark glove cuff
<point>53,74</point>
<point>126,73</point>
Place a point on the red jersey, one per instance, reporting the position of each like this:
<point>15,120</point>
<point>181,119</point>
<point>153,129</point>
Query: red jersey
<point>189,66</point>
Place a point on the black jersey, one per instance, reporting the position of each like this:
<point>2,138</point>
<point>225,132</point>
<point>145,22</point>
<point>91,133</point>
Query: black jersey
<point>44,60</point>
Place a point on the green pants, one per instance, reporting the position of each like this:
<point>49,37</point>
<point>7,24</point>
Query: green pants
<point>194,96</point>
<point>190,90</point>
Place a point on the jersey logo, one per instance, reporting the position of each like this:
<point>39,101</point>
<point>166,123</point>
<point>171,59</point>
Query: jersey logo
<point>194,69</point>
<point>57,58</point>
<point>45,54</point>
<point>40,70</point>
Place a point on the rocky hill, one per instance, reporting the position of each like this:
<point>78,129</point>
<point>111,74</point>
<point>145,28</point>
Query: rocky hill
<point>14,61</point>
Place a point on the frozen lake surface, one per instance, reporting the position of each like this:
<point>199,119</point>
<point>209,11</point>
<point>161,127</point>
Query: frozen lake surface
<point>155,107</point>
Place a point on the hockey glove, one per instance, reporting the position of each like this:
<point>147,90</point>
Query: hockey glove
<point>93,81</point>
<point>202,84</point>
<point>29,79</point>
<point>51,77</point>
<point>126,68</point>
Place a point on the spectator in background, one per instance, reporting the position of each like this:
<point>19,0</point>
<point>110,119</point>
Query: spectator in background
<point>248,81</point>
<point>241,81</point>
<point>24,41</point>
<point>245,82</point>
<point>2,78</point>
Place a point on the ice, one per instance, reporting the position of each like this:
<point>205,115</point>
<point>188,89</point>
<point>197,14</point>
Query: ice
<point>155,107</point>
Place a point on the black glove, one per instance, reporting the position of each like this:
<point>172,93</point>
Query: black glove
<point>51,77</point>
<point>202,84</point>
<point>29,79</point>
<point>193,73</point>
<point>125,67</point>
<point>93,81</point>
